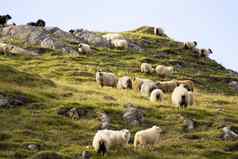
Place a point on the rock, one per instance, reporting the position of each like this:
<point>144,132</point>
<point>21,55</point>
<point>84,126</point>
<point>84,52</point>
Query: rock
<point>48,43</point>
<point>105,120</point>
<point>234,85</point>
<point>86,155</point>
<point>12,102</point>
<point>33,147</point>
<point>3,101</point>
<point>135,47</point>
<point>229,134</point>
<point>189,124</point>
<point>72,112</point>
<point>133,116</point>
<point>109,98</point>
<point>47,155</point>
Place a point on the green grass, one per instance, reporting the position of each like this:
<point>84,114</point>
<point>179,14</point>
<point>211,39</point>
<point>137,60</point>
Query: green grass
<point>54,81</point>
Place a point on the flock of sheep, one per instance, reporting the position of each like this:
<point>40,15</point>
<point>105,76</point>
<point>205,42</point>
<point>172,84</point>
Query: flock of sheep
<point>182,96</point>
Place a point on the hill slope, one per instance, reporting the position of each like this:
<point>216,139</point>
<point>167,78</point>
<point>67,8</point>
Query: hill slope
<point>37,88</point>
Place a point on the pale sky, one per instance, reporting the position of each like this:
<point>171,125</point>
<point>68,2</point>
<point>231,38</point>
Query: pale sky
<point>213,23</point>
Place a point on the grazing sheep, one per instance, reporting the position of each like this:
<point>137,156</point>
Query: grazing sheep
<point>146,68</point>
<point>4,19</point>
<point>205,52</point>
<point>106,79</point>
<point>147,88</point>
<point>147,137</point>
<point>137,83</point>
<point>158,31</point>
<point>167,86</point>
<point>163,71</point>
<point>190,45</point>
<point>180,96</point>
<point>112,36</point>
<point>156,95</point>
<point>38,23</point>
<point>84,48</point>
<point>190,98</point>
<point>119,43</point>
<point>124,83</point>
<point>187,83</point>
<point>105,139</point>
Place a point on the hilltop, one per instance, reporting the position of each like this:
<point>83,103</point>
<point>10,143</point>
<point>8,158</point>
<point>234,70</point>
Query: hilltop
<point>48,76</point>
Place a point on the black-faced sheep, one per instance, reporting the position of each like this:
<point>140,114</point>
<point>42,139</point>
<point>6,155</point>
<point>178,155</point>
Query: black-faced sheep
<point>190,45</point>
<point>187,84</point>
<point>147,137</point>
<point>147,88</point>
<point>163,71</point>
<point>156,95</point>
<point>180,97</point>
<point>106,79</point>
<point>158,31</point>
<point>84,48</point>
<point>124,83</point>
<point>167,86</point>
<point>105,139</point>
<point>4,19</point>
<point>137,83</point>
<point>38,23</point>
<point>146,68</point>
<point>205,52</point>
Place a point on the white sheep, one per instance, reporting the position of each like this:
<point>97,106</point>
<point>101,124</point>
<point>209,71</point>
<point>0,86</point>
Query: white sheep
<point>112,36</point>
<point>124,83</point>
<point>146,68</point>
<point>205,52</point>
<point>167,86</point>
<point>180,96</point>
<point>84,48</point>
<point>137,83</point>
<point>147,137</point>
<point>105,139</point>
<point>162,70</point>
<point>106,79</point>
<point>190,45</point>
<point>119,43</point>
<point>147,88</point>
<point>156,95</point>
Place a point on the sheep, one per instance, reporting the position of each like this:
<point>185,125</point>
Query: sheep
<point>106,79</point>
<point>137,83</point>
<point>163,71</point>
<point>105,139</point>
<point>84,48</point>
<point>112,36</point>
<point>190,45</point>
<point>167,86</point>
<point>119,43</point>
<point>147,88</point>
<point>4,19</point>
<point>180,97</point>
<point>147,137</point>
<point>146,68</point>
<point>187,83</point>
<point>124,83</point>
<point>5,48</point>
<point>158,31</point>
<point>38,23</point>
<point>190,98</point>
<point>205,52</point>
<point>156,95</point>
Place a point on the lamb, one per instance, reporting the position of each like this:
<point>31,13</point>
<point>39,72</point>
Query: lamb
<point>106,79</point>
<point>38,23</point>
<point>112,36</point>
<point>205,52</point>
<point>84,48</point>
<point>187,83</point>
<point>167,86</point>
<point>137,83</point>
<point>4,19</point>
<point>156,95</point>
<point>158,31</point>
<point>163,71</point>
<point>119,43</point>
<point>105,139</point>
<point>147,137</point>
<point>147,88</point>
<point>124,83</point>
<point>146,68</point>
<point>190,45</point>
<point>180,97</point>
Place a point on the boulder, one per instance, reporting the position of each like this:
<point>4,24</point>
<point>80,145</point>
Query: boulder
<point>133,115</point>
<point>234,85</point>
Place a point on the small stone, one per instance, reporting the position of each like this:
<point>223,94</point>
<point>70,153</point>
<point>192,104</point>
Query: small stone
<point>86,155</point>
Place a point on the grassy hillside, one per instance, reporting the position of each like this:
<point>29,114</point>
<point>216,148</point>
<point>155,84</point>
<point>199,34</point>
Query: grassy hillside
<point>52,82</point>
